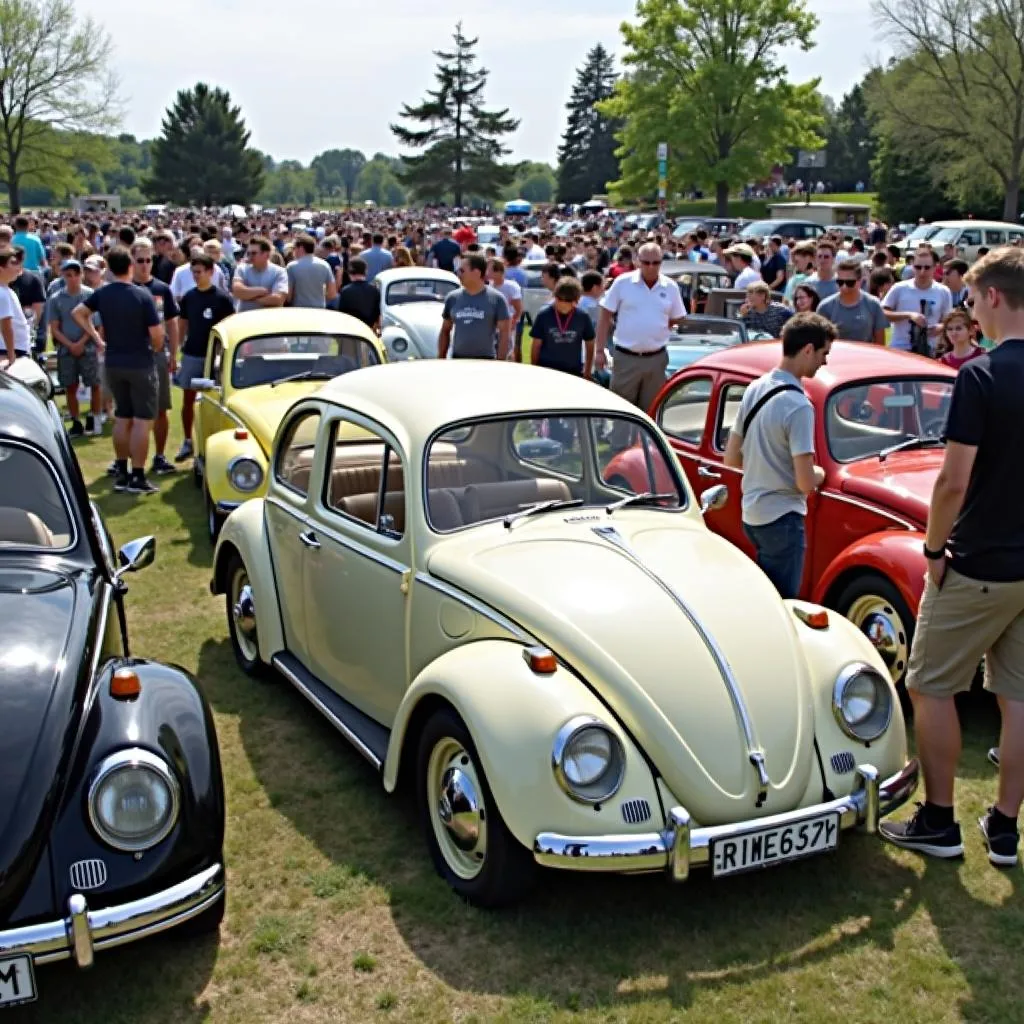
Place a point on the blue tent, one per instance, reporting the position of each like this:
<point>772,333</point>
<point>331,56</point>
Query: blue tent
<point>518,206</point>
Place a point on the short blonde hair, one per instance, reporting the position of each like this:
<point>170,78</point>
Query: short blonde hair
<point>1001,269</point>
<point>760,287</point>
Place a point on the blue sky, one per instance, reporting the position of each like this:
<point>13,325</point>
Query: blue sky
<point>316,74</point>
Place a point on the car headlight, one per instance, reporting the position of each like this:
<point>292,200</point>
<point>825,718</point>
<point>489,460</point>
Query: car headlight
<point>862,702</point>
<point>399,345</point>
<point>244,473</point>
<point>588,760</point>
<point>134,800</point>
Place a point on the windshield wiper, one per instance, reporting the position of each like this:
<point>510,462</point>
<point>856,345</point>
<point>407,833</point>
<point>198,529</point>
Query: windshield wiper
<point>541,506</point>
<point>304,375</point>
<point>644,498</point>
<point>909,445</point>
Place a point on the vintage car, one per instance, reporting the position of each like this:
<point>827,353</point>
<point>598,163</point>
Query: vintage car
<point>257,364</point>
<point>696,281</point>
<point>879,415</point>
<point>111,798</point>
<point>558,667</point>
<point>411,302</point>
<point>698,336</point>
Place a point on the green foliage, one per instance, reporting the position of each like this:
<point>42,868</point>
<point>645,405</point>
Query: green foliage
<point>379,183</point>
<point>288,184</point>
<point>705,76</point>
<point>852,140</point>
<point>337,172</point>
<point>461,140</point>
<point>908,179</point>
<point>203,154</point>
<point>586,157</point>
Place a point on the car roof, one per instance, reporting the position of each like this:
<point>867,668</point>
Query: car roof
<point>974,224</point>
<point>416,273</point>
<point>847,361</point>
<point>24,415</point>
<point>291,320</point>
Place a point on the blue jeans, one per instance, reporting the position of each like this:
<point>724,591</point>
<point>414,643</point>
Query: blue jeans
<point>780,547</point>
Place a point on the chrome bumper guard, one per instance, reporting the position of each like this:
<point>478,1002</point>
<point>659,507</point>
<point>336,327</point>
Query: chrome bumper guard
<point>681,847</point>
<point>227,507</point>
<point>84,931</point>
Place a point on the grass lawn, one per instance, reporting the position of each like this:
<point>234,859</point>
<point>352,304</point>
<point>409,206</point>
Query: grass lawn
<point>335,913</point>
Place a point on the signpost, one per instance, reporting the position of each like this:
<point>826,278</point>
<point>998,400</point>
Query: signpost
<point>662,175</point>
<point>811,159</point>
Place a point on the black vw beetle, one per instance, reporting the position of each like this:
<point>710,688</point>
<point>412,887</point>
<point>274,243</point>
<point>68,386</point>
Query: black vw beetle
<point>111,796</point>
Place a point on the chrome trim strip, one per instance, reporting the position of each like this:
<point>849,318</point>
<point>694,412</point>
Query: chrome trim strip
<point>754,753</point>
<point>85,930</point>
<point>226,507</point>
<point>238,421</point>
<point>680,846</point>
<point>295,513</point>
<point>476,605</point>
<point>70,507</point>
<point>837,496</point>
<point>326,712</point>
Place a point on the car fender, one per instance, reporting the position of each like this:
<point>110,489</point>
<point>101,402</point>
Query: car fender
<point>245,533</point>
<point>391,334</point>
<point>514,715</point>
<point>895,554</point>
<point>221,449</point>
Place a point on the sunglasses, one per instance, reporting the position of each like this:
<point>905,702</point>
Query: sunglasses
<point>143,259</point>
<point>650,263</point>
<point>255,252</point>
<point>846,282</point>
<point>924,266</point>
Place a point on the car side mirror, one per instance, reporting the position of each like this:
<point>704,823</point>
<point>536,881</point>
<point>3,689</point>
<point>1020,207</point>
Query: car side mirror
<point>136,555</point>
<point>204,384</point>
<point>713,498</point>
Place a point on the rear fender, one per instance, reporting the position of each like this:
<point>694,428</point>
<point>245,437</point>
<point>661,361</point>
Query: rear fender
<point>245,533</point>
<point>221,449</point>
<point>513,716</point>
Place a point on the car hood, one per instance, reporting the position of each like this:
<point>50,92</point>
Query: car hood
<point>903,482</point>
<point>262,408</point>
<point>605,604</point>
<point>45,642</point>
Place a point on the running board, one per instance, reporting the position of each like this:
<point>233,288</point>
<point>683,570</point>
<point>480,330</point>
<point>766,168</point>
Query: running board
<point>370,738</point>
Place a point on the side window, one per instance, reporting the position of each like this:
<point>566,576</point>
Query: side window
<point>216,356</point>
<point>684,413</point>
<point>991,237</point>
<point>728,410</point>
<point>1015,236</point>
<point>364,470</point>
<point>295,452</point>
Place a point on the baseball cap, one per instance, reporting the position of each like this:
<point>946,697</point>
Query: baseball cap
<point>71,265</point>
<point>94,263</point>
<point>741,248</point>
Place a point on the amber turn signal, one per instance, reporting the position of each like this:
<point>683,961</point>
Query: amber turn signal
<point>817,619</point>
<point>241,435</point>
<point>125,684</point>
<point>540,659</point>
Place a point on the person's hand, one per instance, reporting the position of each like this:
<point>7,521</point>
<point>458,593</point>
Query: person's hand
<point>76,348</point>
<point>919,318</point>
<point>937,570</point>
<point>745,309</point>
<point>601,358</point>
<point>172,364</point>
<point>819,477</point>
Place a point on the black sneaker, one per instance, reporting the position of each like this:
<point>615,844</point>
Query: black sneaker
<point>1002,847</point>
<point>184,452</point>
<point>121,481</point>
<point>917,834</point>
<point>138,484</point>
<point>90,425</point>
<point>161,466</point>
<point>76,429</point>
<point>993,755</point>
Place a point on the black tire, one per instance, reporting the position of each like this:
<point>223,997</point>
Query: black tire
<point>247,658</point>
<point>507,870</point>
<point>873,585</point>
<point>214,520</point>
<point>206,923</point>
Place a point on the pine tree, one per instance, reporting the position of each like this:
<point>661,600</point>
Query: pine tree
<point>461,143</point>
<point>203,154</point>
<point>586,157</point>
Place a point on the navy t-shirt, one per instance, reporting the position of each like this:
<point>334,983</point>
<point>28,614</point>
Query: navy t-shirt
<point>127,312</point>
<point>446,251</point>
<point>203,309</point>
<point>987,540</point>
<point>561,338</point>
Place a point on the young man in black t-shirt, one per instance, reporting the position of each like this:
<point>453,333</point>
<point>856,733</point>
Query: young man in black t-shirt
<point>201,308</point>
<point>562,335</point>
<point>973,601</point>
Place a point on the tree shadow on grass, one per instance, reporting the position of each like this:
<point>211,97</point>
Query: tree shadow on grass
<point>578,934</point>
<point>180,493</point>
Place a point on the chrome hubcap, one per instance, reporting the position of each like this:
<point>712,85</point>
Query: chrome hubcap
<point>879,621</point>
<point>458,815</point>
<point>243,615</point>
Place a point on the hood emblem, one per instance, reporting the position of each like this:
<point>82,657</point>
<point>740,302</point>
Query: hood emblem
<point>754,752</point>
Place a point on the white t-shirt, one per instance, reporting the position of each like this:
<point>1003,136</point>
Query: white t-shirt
<point>643,312</point>
<point>906,297</point>
<point>182,281</point>
<point>10,307</point>
<point>746,276</point>
<point>511,291</point>
<point>535,252</point>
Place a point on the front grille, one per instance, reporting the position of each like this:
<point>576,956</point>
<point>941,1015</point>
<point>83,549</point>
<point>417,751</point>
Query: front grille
<point>636,812</point>
<point>88,874</point>
<point>843,763</point>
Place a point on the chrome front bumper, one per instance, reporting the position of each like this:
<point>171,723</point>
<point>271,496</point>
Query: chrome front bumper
<point>681,847</point>
<point>225,508</point>
<point>84,931</point>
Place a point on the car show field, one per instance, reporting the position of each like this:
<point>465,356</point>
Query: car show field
<point>335,912</point>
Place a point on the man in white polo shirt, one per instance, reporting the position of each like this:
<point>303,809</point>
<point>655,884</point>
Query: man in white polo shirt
<point>644,305</point>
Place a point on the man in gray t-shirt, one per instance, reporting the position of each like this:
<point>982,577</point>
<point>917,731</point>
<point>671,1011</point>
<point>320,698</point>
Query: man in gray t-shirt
<point>310,279</point>
<point>258,283</point>
<point>476,314</point>
<point>858,317</point>
<point>772,444</point>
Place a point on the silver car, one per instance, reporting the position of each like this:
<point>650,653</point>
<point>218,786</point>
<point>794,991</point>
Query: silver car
<point>411,303</point>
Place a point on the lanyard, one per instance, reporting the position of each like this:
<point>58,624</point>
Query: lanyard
<point>563,328</point>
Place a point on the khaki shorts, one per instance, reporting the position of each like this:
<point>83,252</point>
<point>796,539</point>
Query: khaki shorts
<point>958,624</point>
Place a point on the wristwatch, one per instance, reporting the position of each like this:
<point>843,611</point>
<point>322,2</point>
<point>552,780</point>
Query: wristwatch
<point>933,556</point>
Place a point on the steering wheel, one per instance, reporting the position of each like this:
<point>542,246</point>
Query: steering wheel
<point>933,427</point>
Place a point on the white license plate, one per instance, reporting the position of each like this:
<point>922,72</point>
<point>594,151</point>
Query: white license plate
<point>764,847</point>
<point>17,981</point>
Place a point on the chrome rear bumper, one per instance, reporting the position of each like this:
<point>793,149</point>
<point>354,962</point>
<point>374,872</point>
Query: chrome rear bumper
<point>681,847</point>
<point>84,931</point>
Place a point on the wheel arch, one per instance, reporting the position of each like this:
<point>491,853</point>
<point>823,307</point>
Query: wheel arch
<point>895,555</point>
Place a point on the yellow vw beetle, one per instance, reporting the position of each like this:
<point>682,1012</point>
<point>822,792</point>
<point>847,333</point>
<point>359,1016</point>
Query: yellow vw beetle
<point>568,673</point>
<point>257,364</point>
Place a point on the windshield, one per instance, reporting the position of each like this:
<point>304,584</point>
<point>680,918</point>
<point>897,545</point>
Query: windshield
<point>922,233</point>
<point>760,228</point>
<point>275,356</point>
<point>418,289</point>
<point>693,330</point>
<point>488,470</point>
<point>863,419</point>
<point>944,235</point>
<point>685,227</point>
<point>33,512</point>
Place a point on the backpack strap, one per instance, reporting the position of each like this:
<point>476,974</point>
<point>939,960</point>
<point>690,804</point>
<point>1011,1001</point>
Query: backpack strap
<point>766,397</point>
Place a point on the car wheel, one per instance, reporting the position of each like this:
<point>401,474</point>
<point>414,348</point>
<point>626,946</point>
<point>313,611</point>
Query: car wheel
<point>471,846</point>
<point>207,922</point>
<point>241,608</point>
<point>876,608</point>
<point>214,520</point>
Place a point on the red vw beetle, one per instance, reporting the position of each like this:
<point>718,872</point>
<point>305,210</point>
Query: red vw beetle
<point>879,415</point>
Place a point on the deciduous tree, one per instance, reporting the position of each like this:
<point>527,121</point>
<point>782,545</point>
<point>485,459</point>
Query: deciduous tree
<point>338,170</point>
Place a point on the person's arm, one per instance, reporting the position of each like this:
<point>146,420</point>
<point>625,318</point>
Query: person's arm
<point>82,315</point>
<point>240,290</point>
<point>330,286</point>
<point>808,476</point>
<point>878,337</point>
<point>897,316</point>
<point>291,286</point>
<point>604,327</point>
<point>444,338</point>
<point>156,337</point>
<point>733,457</point>
<point>7,330</point>
<point>173,329</point>
<point>504,338</point>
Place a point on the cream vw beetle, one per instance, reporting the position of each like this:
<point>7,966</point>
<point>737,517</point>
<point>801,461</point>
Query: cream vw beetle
<point>568,674</point>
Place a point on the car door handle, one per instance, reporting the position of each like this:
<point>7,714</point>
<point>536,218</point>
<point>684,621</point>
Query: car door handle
<point>309,539</point>
<point>708,473</point>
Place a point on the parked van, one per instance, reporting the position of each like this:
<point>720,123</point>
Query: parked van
<point>970,235</point>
